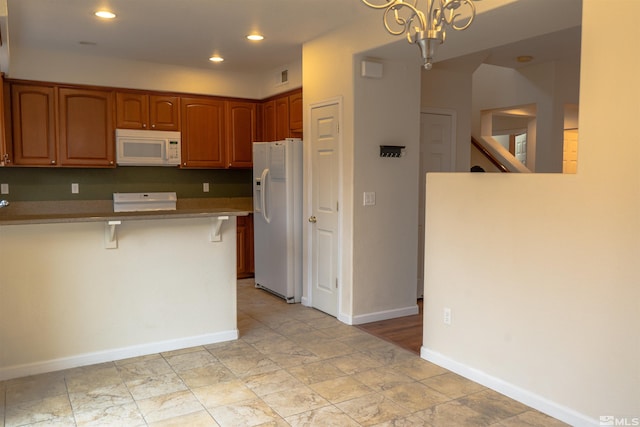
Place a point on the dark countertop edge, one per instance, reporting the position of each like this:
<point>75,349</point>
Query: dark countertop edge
<point>118,216</point>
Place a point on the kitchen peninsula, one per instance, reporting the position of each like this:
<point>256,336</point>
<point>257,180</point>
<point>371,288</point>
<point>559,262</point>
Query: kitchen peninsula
<point>81,284</point>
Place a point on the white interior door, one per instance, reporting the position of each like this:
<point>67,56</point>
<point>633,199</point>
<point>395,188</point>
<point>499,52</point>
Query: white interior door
<point>437,154</point>
<point>324,144</point>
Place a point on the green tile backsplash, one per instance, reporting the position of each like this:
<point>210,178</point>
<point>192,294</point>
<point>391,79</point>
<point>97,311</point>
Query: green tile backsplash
<point>39,184</point>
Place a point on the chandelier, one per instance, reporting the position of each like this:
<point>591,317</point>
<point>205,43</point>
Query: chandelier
<point>426,29</point>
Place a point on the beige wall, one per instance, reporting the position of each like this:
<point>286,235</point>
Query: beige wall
<point>330,71</point>
<point>64,67</point>
<point>379,243</point>
<point>559,330</point>
<point>383,108</point>
<point>67,301</point>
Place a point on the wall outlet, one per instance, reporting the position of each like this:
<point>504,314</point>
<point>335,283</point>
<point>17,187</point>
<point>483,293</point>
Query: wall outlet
<point>369,198</point>
<point>446,316</point>
<point>75,188</point>
<point>4,188</point>
<point>205,187</point>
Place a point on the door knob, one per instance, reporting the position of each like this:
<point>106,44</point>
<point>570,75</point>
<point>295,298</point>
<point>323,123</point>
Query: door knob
<point>312,219</point>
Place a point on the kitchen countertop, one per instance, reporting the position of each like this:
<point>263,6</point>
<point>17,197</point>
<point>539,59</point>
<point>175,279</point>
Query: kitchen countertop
<point>69,211</point>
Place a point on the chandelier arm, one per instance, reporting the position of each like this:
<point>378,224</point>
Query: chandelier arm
<point>451,18</point>
<point>399,21</point>
<point>404,23</point>
<point>389,3</point>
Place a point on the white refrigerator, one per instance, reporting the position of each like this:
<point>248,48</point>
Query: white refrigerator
<point>277,218</point>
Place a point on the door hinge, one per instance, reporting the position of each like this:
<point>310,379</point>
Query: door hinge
<point>336,283</point>
<point>337,206</point>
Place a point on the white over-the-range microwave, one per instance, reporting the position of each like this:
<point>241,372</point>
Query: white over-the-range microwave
<point>147,147</point>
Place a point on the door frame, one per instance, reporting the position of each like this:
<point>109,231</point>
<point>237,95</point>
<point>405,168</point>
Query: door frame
<point>422,239</point>
<point>307,207</point>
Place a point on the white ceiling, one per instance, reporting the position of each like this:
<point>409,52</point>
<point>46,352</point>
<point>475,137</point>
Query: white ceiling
<point>188,32</point>
<point>182,32</point>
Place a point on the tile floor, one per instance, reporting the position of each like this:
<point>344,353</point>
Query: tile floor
<point>291,366</point>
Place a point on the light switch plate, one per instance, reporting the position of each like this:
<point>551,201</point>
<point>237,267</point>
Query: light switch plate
<point>369,198</point>
<point>205,187</point>
<point>75,188</point>
<point>4,188</point>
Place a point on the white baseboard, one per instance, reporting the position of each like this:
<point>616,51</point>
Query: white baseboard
<point>526,397</point>
<point>383,315</point>
<point>348,320</point>
<point>85,359</point>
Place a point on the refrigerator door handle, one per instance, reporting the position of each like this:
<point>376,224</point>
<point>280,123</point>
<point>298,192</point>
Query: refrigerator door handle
<point>263,195</point>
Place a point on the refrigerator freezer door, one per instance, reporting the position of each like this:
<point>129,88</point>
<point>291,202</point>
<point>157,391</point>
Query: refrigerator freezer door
<point>278,159</point>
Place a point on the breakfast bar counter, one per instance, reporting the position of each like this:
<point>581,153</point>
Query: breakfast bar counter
<point>82,284</point>
<point>46,212</point>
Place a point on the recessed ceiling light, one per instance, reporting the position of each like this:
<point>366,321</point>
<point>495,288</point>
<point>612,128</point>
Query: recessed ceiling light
<point>105,14</point>
<point>255,37</point>
<point>216,59</point>
<point>524,58</point>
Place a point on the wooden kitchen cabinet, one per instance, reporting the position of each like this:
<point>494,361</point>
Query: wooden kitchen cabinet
<point>203,133</point>
<point>282,117</point>
<point>295,115</point>
<point>86,127</point>
<point>244,246</point>
<point>241,133</point>
<point>269,121</point>
<point>6,157</point>
<point>33,125</point>
<point>147,111</point>
<point>49,124</point>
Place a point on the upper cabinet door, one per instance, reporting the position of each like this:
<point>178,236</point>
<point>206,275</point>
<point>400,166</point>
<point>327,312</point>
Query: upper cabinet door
<point>203,133</point>
<point>282,118</point>
<point>295,113</point>
<point>142,111</point>
<point>33,119</point>
<point>241,133</point>
<point>269,121</point>
<point>164,112</point>
<point>86,128</point>
<point>132,110</point>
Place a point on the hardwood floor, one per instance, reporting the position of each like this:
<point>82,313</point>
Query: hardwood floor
<point>405,332</point>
